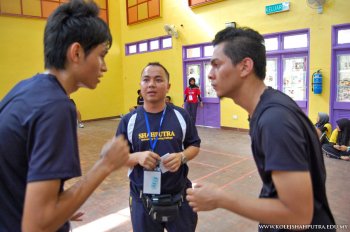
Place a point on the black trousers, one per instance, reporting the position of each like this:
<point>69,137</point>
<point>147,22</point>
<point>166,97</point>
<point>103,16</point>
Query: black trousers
<point>192,110</point>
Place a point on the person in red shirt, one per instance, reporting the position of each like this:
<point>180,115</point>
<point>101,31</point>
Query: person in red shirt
<point>192,97</point>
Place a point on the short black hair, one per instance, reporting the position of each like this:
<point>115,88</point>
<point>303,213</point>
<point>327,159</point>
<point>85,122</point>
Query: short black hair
<point>241,43</point>
<point>159,65</point>
<point>74,21</point>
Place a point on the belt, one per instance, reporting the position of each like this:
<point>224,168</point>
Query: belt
<point>162,199</point>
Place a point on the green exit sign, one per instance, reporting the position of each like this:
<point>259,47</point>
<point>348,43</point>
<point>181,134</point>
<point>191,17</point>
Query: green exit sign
<point>275,8</point>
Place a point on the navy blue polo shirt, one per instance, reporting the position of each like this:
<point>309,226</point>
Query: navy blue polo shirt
<point>38,141</point>
<point>176,134</point>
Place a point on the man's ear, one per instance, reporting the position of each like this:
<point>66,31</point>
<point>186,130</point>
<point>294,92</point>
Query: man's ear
<point>74,52</point>
<point>169,85</point>
<point>247,66</point>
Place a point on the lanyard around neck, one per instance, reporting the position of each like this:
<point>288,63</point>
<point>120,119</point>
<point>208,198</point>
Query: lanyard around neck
<point>153,144</point>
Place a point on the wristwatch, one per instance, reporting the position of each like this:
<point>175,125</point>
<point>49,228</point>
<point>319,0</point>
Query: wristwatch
<point>183,158</point>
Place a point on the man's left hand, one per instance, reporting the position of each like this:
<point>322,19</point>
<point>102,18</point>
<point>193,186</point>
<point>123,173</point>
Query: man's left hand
<point>173,162</point>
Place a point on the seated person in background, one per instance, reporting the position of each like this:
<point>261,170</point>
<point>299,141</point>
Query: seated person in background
<point>344,150</point>
<point>339,141</point>
<point>323,127</point>
<point>139,101</point>
<point>168,100</point>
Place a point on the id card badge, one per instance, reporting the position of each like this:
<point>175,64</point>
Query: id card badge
<point>190,97</point>
<point>151,182</point>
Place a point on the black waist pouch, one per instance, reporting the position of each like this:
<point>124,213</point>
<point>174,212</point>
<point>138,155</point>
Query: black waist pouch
<point>164,213</point>
<point>163,208</point>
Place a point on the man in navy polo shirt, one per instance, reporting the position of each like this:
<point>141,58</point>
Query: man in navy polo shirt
<point>162,138</point>
<point>38,135</point>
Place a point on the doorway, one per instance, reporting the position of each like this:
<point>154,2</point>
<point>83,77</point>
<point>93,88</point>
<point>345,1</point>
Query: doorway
<point>209,114</point>
<point>340,80</point>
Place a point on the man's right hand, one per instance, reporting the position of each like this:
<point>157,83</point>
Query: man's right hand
<point>203,197</point>
<point>148,159</point>
<point>115,152</point>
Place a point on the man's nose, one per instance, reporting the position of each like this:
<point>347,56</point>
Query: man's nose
<point>211,74</point>
<point>152,82</point>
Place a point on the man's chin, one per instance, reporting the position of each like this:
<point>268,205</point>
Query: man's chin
<point>154,100</point>
<point>219,95</point>
<point>81,85</point>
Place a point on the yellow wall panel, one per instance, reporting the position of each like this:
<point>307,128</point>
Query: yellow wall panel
<point>31,7</point>
<point>103,15</point>
<point>131,2</point>
<point>39,8</point>
<point>48,8</point>
<point>21,50</point>
<point>132,14</point>
<point>194,2</point>
<point>21,56</point>
<point>146,9</point>
<point>142,11</point>
<point>11,6</point>
<point>153,8</point>
<point>101,3</point>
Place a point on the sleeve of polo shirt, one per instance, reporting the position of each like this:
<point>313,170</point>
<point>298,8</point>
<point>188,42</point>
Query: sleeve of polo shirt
<point>123,129</point>
<point>283,141</point>
<point>53,143</point>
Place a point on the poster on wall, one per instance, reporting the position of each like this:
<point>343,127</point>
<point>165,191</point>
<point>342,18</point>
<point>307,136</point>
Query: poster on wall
<point>271,73</point>
<point>209,90</point>
<point>343,84</point>
<point>294,78</point>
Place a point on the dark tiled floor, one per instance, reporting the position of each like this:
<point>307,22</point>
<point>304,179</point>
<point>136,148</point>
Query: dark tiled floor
<point>225,159</point>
